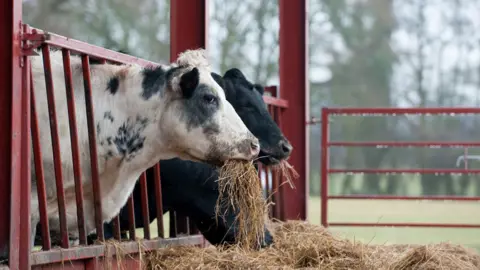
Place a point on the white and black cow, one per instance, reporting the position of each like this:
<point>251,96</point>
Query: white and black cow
<point>191,188</point>
<point>141,115</point>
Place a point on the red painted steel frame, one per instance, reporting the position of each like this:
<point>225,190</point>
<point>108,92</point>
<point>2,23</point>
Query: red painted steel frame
<point>188,31</point>
<point>77,253</point>
<point>75,147</point>
<point>326,170</point>
<point>11,109</point>
<point>25,165</point>
<point>294,88</point>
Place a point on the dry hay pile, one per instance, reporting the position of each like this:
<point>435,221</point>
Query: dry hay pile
<point>300,245</point>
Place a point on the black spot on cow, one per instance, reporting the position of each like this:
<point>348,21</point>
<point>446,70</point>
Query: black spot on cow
<point>153,81</point>
<point>99,130</point>
<point>113,84</point>
<point>129,139</point>
<point>108,115</point>
<point>109,154</point>
<point>109,140</point>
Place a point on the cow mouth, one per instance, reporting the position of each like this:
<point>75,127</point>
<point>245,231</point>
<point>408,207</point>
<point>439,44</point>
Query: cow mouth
<point>209,161</point>
<point>269,159</point>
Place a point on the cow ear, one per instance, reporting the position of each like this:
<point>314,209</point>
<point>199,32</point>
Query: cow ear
<point>189,82</point>
<point>218,79</point>
<point>234,73</point>
<point>259,88</point>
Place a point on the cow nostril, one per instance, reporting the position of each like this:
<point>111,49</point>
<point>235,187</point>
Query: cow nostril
<point>255,145</point>
<point>286,147</point>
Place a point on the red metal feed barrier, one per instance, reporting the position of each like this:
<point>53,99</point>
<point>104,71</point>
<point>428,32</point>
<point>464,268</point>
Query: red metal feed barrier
<point>48,255</point>
<point>36,38</point>
<point>326,143</point>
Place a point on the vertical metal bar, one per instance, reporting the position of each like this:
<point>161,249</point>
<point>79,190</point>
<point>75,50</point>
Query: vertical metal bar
<point>117,235</point>
<point>131,218</point>
<point>158,196</point>
<point>188,30</point>
<point>55,145</point>
<point>281,189</point>
<point>277,196</point>
<point>72,120</point>
<point>192,228</point>
<point>37,157</point>
<point>294,88</point>
<point>270,188</point>
<point>10,140</point>
<point>92,140</point>
<point>145,212</point>
<point>465,159</point>
<point>25,192</point>
<point>173,224</point>
<point>324,168</point>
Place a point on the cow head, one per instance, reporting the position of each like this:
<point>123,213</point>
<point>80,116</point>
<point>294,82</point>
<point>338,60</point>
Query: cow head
<point>246,99</point>
<point>198,122</point>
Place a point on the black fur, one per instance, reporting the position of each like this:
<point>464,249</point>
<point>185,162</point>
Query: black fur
<point>113,84</point>
<point>130,138</point>
<point>153,81</point>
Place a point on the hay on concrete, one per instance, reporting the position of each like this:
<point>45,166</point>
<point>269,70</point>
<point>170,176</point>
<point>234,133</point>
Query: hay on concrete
<point>300,245</point>
<point>240,190</point>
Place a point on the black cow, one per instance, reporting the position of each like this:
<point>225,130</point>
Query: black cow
<point>190,188</point>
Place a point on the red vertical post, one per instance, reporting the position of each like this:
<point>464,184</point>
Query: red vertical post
<point>294,88</point>
<point>10,114</point>
<point>25,224</point>
<point>188,31</point>
<point>324,158</point>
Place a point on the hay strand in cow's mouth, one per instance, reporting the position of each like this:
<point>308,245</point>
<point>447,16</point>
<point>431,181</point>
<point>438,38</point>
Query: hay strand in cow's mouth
<point>287,172</point>
<point>240,190</point>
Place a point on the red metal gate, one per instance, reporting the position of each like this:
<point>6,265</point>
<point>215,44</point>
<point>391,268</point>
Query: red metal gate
<point>326,143</point>
<point>36,38</point>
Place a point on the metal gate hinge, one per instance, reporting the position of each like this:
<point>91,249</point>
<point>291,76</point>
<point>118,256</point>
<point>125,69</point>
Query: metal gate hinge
<point>32,41</point>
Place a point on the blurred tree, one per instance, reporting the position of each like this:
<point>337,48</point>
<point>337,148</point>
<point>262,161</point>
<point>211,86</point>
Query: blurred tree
<point>142,30</point>
<point>361,72</point>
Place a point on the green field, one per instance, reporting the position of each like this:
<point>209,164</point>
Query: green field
<point>402,211</point>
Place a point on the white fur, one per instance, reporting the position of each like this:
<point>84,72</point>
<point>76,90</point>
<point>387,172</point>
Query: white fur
<point>166,134</point>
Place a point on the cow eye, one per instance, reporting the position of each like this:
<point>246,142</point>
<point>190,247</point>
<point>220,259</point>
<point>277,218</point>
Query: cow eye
<point>210,99</point>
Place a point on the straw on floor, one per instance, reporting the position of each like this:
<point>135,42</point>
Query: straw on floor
<point>300,245</point>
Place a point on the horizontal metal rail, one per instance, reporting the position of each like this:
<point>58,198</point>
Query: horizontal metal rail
<point>404,171</point>
<point>403,198</point>
<point>382,144</point>
<point>413,225</point>
<point>80,253</point>
<point>390,111</point>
